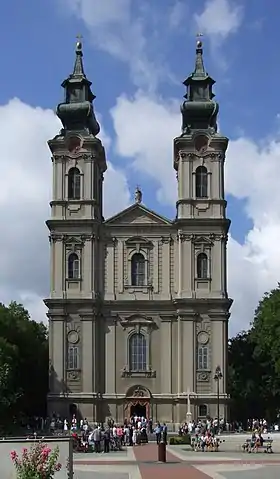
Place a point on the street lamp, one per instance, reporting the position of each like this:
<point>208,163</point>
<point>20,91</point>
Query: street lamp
<point>99,397</point>
<point>218,376</point>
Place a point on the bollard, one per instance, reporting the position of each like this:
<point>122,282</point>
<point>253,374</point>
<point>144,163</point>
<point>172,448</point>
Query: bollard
<point>162,452</point>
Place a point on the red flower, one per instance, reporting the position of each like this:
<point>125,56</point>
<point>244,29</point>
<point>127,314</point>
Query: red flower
<point>58,467</point>
<point>14,455</point>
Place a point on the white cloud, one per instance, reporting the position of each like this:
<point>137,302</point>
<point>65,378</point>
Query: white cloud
<point>25,191</point>
<point>118,30</point>
<point>251,174</point>
<point>178,14</point>
<point>25,182</point>
<point>219,18</point>
<point>147,139</point>
<point>116,192</point>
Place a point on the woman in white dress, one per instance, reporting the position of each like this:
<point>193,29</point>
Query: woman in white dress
<point>134,435</point>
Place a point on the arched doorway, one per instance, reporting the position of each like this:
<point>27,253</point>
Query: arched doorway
<point>138,402</point>
<point>73,410</point>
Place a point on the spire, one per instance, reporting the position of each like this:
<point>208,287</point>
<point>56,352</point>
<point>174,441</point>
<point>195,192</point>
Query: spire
<point>78,66</point>
<point>199,111</point>
<point>76,112</point>
<point>199,70</point>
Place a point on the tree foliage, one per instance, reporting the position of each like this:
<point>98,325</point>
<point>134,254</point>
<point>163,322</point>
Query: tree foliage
<point>245,378</point>
<point>254,361</point>
<point>23,363</point>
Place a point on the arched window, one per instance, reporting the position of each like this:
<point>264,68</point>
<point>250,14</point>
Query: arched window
<point>202,357</point>
<point>202,410</point>
<point>137,352</point>
<point>73,357</point>
<point>74,184</point>
<point>73,266</point>
<point>201,182</point>
<point>138,270</point>
<point>202,266</point>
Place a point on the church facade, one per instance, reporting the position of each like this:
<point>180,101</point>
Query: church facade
<point>138,307</point>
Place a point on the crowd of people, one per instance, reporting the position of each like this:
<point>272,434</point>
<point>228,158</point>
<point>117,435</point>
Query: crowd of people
<point>212,426</point>
<point>257,425</point>
<point>215,426</point>
<point>112,437</point>
<point>204,434</point>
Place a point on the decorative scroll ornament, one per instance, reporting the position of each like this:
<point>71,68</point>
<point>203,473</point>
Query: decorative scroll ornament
<point>203,376</point>
<point>73,375</point>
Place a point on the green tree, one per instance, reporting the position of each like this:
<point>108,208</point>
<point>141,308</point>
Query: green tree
<point>265,333</point>
<point>23,362</point>
<point>8,362</point>
<point>245,378</point>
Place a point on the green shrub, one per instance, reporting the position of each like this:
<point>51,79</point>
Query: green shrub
<point>177,440</point>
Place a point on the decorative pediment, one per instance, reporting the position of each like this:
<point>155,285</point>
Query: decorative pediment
<point>138,241</point>
<point>136,320</point>
<point>74,240</point>
<point>137,214</point>
<point>199,240</point>
<point>138,392</point>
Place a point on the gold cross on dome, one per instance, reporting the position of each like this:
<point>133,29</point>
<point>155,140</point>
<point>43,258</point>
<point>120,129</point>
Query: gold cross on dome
<point>79,37</point>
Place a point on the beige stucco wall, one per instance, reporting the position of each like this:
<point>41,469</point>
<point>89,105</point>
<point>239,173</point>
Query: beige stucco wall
<point>103,308</point>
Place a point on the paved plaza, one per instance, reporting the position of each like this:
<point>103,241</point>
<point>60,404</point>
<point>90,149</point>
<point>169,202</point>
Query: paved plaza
<point>140,462</point>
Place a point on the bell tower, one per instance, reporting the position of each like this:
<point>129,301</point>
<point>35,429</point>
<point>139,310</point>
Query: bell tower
<point>202,225</point>
<point>77,256</point>
<point>199,157</point>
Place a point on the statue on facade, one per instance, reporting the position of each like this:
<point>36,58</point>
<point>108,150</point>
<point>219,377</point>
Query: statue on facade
<point>138,195</point>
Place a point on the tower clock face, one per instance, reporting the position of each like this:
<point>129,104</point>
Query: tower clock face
<point>74,143</point>
<point>201,143</point>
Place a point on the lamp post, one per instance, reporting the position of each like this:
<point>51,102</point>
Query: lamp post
<point>189,414</point>
<point>99,398</point>
<point>218,376</point>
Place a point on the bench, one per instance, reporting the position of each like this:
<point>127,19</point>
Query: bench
<point>254,446</point>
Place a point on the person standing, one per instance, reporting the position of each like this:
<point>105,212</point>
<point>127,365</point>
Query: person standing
<point>158,430</point>
<point>107,440</point>
<point>97,439</point>
<point>164,433</point>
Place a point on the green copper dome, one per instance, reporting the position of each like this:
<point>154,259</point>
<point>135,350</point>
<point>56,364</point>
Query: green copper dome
<point>199,111</point>
<point>76,112</point>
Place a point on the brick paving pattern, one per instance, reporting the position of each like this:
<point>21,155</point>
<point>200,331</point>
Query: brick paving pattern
<point>146,456</point>
<point>141,462</point>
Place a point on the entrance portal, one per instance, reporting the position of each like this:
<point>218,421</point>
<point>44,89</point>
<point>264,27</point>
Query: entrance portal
<point>137,402</point>
<point>138,410</point>
<point>73,410</point>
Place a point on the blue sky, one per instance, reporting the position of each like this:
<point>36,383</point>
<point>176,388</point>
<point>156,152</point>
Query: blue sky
<point>37,54</point>
<point>136,54</point>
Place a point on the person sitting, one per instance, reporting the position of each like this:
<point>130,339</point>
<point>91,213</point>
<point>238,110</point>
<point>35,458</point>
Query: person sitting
<point>258,442</point>
<point>203,442</point>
